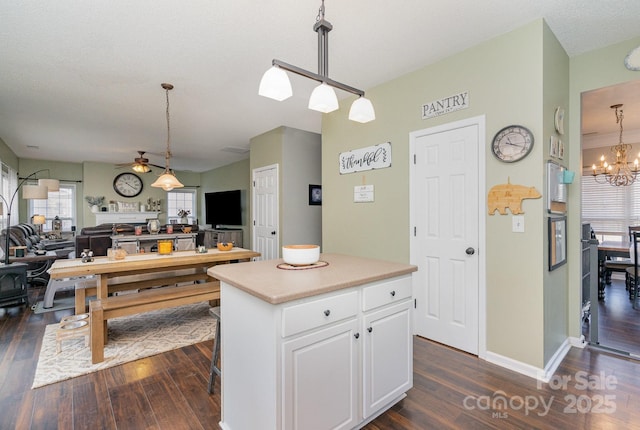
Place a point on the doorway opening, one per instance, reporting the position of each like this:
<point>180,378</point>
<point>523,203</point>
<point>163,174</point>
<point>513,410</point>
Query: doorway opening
<point>612,323</point>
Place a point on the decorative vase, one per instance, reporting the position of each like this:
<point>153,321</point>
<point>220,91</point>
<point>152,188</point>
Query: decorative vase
<point>184,220</point>
<point>95,209</point>
<point>153,226</point>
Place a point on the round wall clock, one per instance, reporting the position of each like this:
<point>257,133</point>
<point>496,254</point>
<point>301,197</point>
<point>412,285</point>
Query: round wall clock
<point>512,143</point>
<point>127,184</point>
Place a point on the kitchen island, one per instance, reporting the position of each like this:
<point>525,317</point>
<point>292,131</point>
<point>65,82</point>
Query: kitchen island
<point>318,347</point>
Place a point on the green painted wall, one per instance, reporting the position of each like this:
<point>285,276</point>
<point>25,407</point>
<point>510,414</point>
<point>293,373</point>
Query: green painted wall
<point>7,156</point>
<point>96,179</point>
<point>234,176</point>
<point>505,79</point>
<point>555,92</point>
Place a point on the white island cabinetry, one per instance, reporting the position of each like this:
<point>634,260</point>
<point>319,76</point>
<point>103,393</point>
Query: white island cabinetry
<point>330,358</point>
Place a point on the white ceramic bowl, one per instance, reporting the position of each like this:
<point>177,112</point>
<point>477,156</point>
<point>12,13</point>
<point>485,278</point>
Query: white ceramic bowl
<point>300,255</point>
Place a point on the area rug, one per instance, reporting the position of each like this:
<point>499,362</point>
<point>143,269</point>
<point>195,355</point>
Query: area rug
<point>130,338</point>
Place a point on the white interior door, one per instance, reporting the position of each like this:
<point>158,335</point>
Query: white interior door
<point>265,212</point>
<point>445,218</point>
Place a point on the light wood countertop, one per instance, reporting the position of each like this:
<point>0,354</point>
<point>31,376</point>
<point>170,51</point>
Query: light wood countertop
<point>263,279</point>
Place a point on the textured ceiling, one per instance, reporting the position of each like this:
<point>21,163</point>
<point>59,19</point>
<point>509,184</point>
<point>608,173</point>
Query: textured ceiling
<point>80,80</point>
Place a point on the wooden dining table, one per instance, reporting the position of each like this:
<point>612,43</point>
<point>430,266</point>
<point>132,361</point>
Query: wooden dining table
<point>108,272</point>
<point>606,250</point>
<point>102,268</point>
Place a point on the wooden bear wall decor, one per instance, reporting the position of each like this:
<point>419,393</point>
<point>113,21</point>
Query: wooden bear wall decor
<point>510,196</point>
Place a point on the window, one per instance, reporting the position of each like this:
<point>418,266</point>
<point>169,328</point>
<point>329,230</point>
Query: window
<point>610,210</point>
<point>8,184</point>
<point>184,199</point>
<point>60,203</point>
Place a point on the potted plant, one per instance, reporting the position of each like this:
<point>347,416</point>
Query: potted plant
<point>95,203</point>
<point>183,214</point>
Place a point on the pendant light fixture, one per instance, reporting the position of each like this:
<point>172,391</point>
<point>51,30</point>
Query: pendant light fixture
<point>621,172</point>
<point>275,83</point>
<point>167,181</point>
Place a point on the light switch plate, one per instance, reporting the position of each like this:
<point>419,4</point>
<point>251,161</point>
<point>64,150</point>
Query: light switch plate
<point>518,224</point>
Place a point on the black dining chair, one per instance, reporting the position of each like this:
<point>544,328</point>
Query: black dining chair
<point>620,264</point>
<point>633,272</point>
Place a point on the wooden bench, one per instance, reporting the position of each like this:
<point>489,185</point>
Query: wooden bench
<point>87,287</point>
<point>144,301</point>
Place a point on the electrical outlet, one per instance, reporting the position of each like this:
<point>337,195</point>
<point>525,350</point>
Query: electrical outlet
<point>518,224</point>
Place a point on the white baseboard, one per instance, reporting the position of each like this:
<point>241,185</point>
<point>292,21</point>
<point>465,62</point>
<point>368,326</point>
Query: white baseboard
<point>543,375</point>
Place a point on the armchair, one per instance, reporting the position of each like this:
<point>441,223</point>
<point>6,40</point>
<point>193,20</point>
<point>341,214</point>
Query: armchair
<point>25,235</point>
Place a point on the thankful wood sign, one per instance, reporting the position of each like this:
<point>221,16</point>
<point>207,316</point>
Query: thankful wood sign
<point>371,157</point>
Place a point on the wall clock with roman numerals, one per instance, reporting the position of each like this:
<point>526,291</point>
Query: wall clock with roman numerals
<point>512,143</point>
<point>127,184</point>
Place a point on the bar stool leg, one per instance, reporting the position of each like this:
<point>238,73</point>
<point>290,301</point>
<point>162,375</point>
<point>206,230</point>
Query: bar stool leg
<point>215,370</point>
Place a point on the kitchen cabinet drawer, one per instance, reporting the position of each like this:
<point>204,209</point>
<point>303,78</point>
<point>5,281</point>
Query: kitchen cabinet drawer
<point>386,293</point>
<point>316,313</point>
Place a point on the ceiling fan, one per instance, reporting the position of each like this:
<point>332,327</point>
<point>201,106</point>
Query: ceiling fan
<point>140,164</point>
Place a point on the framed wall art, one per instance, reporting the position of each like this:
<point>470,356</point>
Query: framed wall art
<point>315,195</point>
<point>557,242</point>
<point>556,188</point>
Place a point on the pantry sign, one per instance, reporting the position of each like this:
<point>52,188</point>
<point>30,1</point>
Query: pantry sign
<point>445,105</point>
<point>369,158</point>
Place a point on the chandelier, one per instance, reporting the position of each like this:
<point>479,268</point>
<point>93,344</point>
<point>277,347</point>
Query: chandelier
<point>167,181</point>
<point>620,172</point>
<point>275,83</point>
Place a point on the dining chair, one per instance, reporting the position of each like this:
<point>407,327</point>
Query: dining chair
<point>633,272</point>
<point>620,264</point>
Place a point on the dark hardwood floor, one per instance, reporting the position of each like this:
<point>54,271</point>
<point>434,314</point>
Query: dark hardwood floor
<point>452,390</point>
<point>619,323</point>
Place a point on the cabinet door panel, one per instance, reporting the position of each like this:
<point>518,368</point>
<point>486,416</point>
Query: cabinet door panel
<point>388,356</point>
<point>320,372</point>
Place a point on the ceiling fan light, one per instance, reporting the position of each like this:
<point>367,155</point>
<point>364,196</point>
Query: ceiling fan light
<point>35,192</point>
<point>167,181</point>
<point>275,84</point>
<point>51,184</point>
<point>323,99</point>
<point>141,168</point>
<point>362,110</point>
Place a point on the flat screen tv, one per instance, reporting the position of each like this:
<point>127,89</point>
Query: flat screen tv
<point>223,208</point>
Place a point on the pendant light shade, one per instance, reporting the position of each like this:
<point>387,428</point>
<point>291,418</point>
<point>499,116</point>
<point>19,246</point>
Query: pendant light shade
<point>362,110</point>
<point>51,184</point>
<point>275,84</point>
<point>34,192</point>
<point>323,99</point>
<point>167,181</point>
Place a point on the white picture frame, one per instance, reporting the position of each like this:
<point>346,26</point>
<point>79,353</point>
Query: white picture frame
<point>553,147</point>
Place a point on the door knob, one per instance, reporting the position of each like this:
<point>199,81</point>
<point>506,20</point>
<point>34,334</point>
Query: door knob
<point>470,251</point>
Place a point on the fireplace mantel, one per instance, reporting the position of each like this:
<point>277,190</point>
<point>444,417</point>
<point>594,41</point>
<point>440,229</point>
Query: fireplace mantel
<point>125,217</point>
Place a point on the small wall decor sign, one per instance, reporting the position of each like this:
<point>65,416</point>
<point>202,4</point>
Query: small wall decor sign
<point>445,105</point>
<point>369,158</point>
<point>510,196</point>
